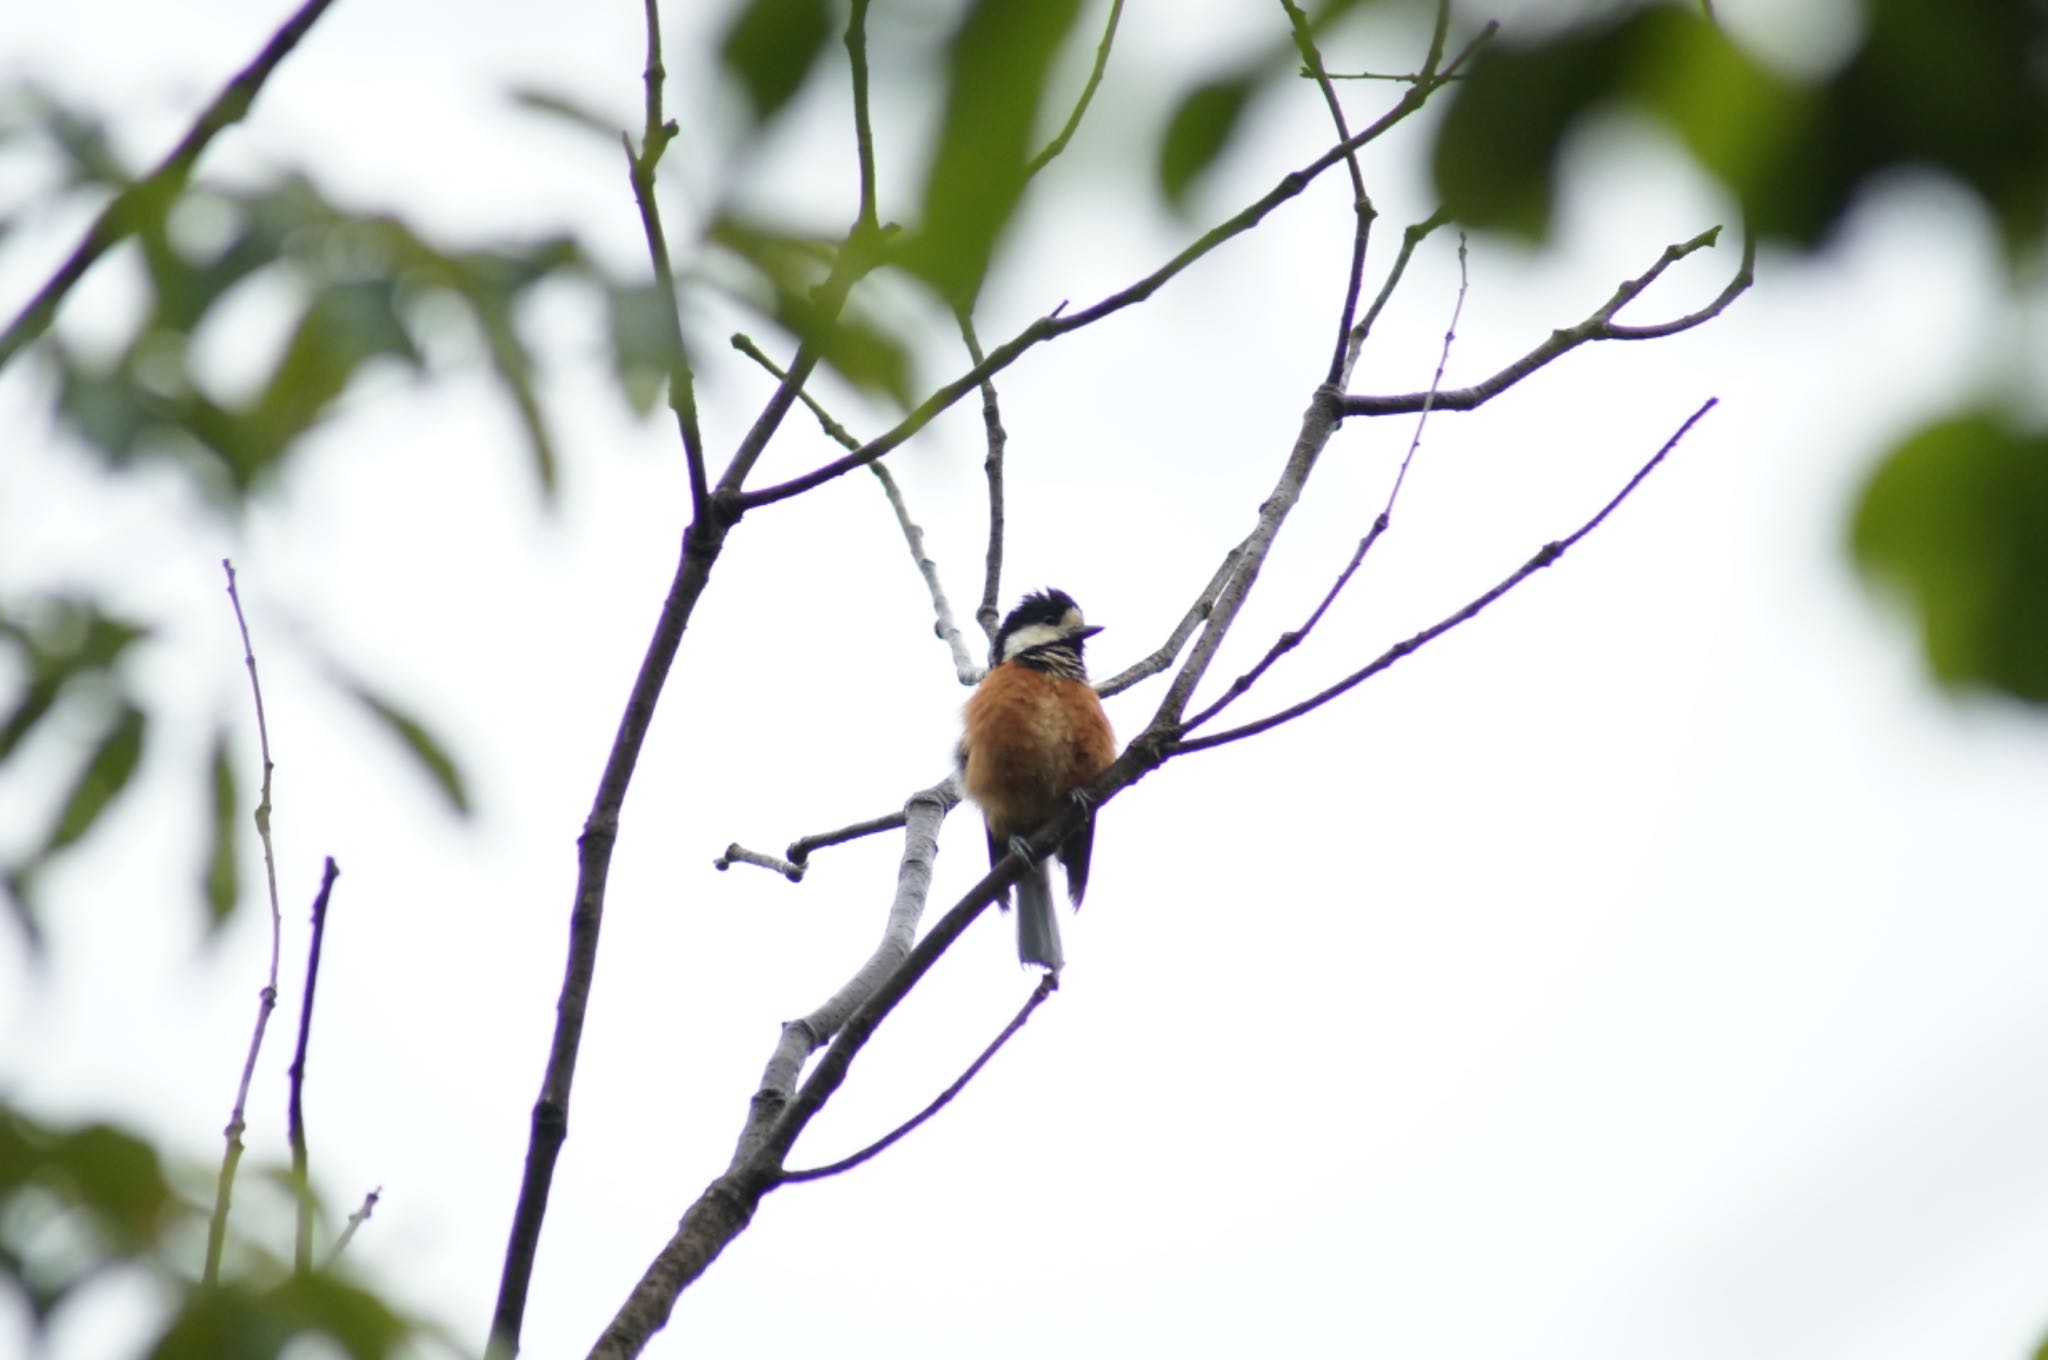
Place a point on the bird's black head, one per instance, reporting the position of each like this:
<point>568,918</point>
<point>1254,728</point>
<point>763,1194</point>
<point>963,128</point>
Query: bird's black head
<point>1046,630</point>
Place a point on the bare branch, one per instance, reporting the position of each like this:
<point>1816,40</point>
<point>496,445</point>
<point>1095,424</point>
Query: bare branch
<point>655,136</point>
<point>1047,985</point>
<point>266,999</point>
<point>1599,326</point>
<point>739,854</point>
<point>1548,554</point>
<point>1058,323</point>
<point>1414,236</point>
<point>1066,134</point>
<point>149,195</point>
<point>302,1184</point>
<point>987,614</point>
<point>964,666</point>
<point>1361,202</point>
<point>1149,666</point>
<point>1288,641</point>
<point>863,128</point>
<point>799,851</point>
<point>355,1220</point>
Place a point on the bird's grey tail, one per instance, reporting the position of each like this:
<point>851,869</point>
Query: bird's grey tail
<point>1038,930</point>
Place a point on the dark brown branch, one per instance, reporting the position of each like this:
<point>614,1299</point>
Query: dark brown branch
<point>134,204</point>
<point>1073,124</point>
<point>1599,326</point>
<point>655,136</point>
<point>799,851</point>
<point>702,543</point>
<point>266,999</point>
<point>1047,985</point>
<point>302,1184</point>
<point>1549,553</point>
<point>1149,666</point>
<point>1059,323</point>
<point>988,614</point>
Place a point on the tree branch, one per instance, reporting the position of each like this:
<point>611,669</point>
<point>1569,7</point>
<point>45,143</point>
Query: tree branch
<point>988,613</point>
<point>1599,326</point>
<point>302,1184</point>
<point>148,195</point>
<point>1288,641</point>
<point>1416,233</point>
<point>266,999</point>
<point>1047,985</point>
<point>1549,553</point>
<point>1146,667</point>
<point>655,136</point>
<point>1066,133</point>
<point>1057,324</point>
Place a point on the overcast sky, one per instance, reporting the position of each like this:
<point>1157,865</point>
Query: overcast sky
<point>1652,967</point>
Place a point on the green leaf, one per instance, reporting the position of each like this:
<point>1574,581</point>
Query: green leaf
<point>567,110</point>
<point>106,773</point>
<point>858,347</point>
<point>242,1322</point>
<point>996,73</point>
<point>222,882</point>
<point>772,46</point>
<point>1956,520</point>
<point>1200,131</point>
<point>643,342</point>
<point>426,749</point>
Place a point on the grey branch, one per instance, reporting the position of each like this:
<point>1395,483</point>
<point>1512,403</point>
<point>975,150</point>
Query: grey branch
<point>1599,326</point>
<point>355,1220</point>
<point>739,854</point>
<point>1547,554</point>
<point>1147,667</point>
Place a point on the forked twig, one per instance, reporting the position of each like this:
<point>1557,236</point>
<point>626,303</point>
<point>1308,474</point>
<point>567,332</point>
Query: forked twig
<point>1549,553</point>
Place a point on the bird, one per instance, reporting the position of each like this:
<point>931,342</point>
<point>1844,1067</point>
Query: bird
<point>1034,737</point>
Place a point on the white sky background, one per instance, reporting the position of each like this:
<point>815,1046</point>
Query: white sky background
<point>1652,967</point>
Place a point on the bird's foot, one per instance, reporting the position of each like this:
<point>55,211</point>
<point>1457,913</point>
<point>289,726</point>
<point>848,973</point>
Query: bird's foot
<point>1020,846</point>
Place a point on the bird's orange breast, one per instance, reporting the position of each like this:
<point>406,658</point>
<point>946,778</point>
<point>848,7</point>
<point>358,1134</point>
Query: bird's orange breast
<point>1031,739</point>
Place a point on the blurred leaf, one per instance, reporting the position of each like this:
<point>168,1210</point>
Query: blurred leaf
<point>426,749</point>
<point>996,74</point>
<point>223,865</point>
<point>1956,519</point>
<point>242,1322</point>
<point>771,46</point>
<point>1200,131</point>
<point>857,347</point>
<point>569,111</point>
<point>643,347</point>
<point>62,641</point>
<point>106,773</point>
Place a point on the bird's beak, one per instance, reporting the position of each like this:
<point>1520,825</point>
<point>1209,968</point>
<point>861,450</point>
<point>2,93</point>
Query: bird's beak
<point>1087,631</point>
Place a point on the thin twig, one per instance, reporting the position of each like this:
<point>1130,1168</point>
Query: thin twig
<point>943,625</point>
<point>1361,202</point>
<point>302,1183</point>
<point>1599,326</point>
<point>1549,553</point>
<point>146,197</point>
<point>987,613</point>
<point>266,999</point>
<point>739,854</point>
<point>1059,322</point>
<point>1066,133</point>
<point>1047,985</point>
<point>1416,233</point>
<point>1149,666</point>
<point>1288,641</point>
<point>799,851</point>
<point>355,1220</point>
<point>863,129</point>
<point>965,667</point>
<point>655,135</point>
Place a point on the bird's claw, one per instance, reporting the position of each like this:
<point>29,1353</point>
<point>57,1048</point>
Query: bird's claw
<point>1020,846</point>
